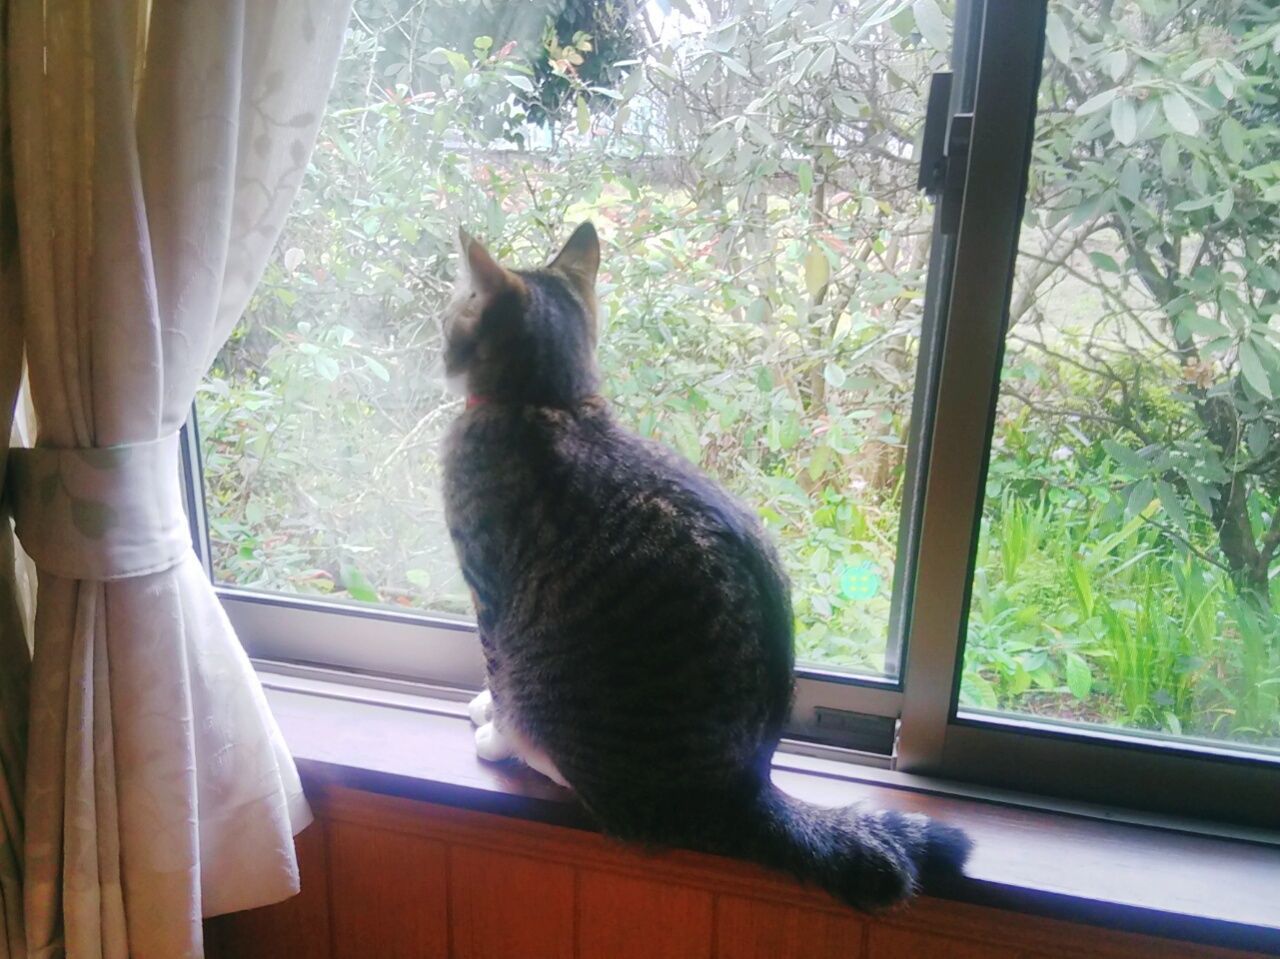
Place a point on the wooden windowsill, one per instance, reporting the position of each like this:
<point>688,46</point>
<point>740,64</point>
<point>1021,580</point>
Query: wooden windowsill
<point>1132,878</point>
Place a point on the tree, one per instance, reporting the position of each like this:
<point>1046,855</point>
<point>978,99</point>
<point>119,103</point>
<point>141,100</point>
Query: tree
<point>566,52</point>
<point>1157,184</point>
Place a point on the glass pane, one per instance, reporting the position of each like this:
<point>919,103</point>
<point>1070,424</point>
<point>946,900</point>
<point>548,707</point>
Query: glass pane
<point>751,167</point>
<point>1127,568</point>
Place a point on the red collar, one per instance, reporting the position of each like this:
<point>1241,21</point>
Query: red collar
<point>475,399</point>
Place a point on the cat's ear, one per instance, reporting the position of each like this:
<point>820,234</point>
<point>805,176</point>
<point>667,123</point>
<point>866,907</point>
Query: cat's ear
<point>579,260</point>
<point>480,270</point>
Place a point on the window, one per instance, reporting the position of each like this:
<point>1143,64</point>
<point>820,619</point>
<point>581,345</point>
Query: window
<point>1103,648</point>
<point>1019,449</point>
<point>1130,517</point>
<point>761,297</point>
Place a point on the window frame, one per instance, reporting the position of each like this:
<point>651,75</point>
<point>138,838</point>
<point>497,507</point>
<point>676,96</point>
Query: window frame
<point>997,55</point>
<point>937,738</point>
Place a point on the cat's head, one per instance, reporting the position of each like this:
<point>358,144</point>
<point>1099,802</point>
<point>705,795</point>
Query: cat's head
<point>524,336</point>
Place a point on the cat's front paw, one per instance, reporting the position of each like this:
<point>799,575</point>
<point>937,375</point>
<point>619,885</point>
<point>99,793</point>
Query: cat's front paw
<point>492,744</point>
<point>480,709</point>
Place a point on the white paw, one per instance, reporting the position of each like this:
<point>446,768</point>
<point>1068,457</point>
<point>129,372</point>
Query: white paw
<point>541,762</point>
<point>535,757</point>
<point>480,709</point>
<point>492,745</point>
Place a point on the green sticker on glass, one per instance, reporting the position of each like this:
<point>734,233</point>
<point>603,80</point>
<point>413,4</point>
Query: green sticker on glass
<point>859,582</point>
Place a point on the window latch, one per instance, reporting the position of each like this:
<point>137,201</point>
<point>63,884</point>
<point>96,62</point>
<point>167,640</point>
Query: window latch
<point>852,730</point>
<point>944,152</point>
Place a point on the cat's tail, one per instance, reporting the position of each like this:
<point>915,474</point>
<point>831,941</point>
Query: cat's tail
<point>869,858</point>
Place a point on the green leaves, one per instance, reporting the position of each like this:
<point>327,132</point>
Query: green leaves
<point>1079,678</point>
<point>1259,437</point>
<point>1199,203</point>
<point>1116,63</point>
<point>1058,38</point>
<point>1141,495</point>
<point>932,24</point>
<point>1223,204</point>
<point>357,584</point>
<point>1200,494</point>
<point>1124,120</point>
<point>1232,134</point>
<point>460,64</point>
<point>1126,457</point>
<point>1192,322</point>
<point>1251,367</point>
<point>1130,184</point>
<point>848,107</point>
<point>1180,114</point>
<point>804,176</point>
<point>326,366</point>
<point>824,61</point>
<point>976,690</point>
<point>1099,101</point>
<point>1104,261</point>
<point>1173,507</point>
<point>817,272</point>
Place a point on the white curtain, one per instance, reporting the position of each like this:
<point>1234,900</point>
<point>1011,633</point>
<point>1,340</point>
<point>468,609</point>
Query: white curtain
<point>155,150</point>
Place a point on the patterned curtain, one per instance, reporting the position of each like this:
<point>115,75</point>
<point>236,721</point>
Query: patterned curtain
<point>155,149</point>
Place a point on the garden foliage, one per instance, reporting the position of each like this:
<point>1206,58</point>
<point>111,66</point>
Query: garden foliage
<point>750,164</point>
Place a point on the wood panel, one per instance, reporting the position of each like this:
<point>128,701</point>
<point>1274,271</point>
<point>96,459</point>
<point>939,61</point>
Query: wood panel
<point>503,907</point>
<point>387,894</point>
<point>573,847</point>
<point>389,878</point>
<point>891,942</point>
<point>758,929</point>
<point>302,921</point>
<point>621,917</point>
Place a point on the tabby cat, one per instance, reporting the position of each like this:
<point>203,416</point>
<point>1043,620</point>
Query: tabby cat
<point>635,620</point>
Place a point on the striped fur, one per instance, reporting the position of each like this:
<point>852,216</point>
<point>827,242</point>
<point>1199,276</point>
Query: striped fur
<point>636,621</point>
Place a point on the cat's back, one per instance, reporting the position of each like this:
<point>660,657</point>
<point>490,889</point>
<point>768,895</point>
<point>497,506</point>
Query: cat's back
<point>574,467</point>
<point>566,514</point>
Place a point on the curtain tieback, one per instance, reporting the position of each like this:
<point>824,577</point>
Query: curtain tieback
<point>101,513</point>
